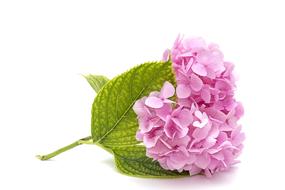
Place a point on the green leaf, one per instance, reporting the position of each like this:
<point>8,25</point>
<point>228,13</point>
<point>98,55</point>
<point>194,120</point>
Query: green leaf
<point>96,81</point>
<point>114,122</point>
<point>132,160</point>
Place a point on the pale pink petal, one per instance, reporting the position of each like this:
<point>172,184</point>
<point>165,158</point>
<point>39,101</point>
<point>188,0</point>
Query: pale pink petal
<point>185,117</point>
<point>150,140</point>
<point>159,148</point>
<point>203,57</point>
<point>139,136</point>
<point>164,111</point>
<point>201,133</point>
<point>239,110</point>
<point>194,43</point>
<point>203,161</point>
<point>167,90</point>
<point>145,126</point>
<point>238,139</point>
<point>199,69</point>
<point>183,91</point>
<point>169,128</point>
<point>154,102</point>
<point>166,55</point>
<point>206,95</point>
<point>182,132</point>
<point>140,109</point>
<point>209,142</point>
<point>208,173</point>
<point>218,156</point>
<point>196,82</point>
<point>181,142</point>
<point>194,170</point>
<point>216,115</point>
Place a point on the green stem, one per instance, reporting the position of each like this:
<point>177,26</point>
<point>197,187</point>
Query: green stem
<point>86,140</point>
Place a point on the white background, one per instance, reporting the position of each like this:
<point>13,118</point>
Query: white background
<point>45,103</point>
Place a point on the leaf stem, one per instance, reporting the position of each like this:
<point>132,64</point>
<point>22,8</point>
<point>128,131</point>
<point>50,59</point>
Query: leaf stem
<point>86,140</point>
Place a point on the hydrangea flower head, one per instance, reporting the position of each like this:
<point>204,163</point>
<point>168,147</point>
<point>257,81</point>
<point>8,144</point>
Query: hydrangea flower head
<point>199,132</point>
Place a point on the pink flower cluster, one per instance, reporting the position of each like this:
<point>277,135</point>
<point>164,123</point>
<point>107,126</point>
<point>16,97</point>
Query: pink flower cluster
<point>198,132</point>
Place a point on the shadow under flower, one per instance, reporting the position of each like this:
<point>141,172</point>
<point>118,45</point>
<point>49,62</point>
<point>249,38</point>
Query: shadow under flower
<point>222,178</point>
<point>199,181</point>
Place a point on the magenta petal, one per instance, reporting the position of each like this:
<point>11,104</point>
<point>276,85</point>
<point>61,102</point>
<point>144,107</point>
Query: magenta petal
<point>183,91</point>
<point>199,69</point>
<point>196,82</point>
<point>154,102</point>
<point>167,90</point>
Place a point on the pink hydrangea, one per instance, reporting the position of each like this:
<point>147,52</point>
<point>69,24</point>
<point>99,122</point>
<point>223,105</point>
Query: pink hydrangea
<point>199,133</point>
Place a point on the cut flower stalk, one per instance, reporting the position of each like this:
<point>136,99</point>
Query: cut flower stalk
<point>86,140</point>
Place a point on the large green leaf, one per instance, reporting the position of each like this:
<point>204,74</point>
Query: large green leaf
<point>132,160</point>
<point>114,122</point>
<point>96,81</point>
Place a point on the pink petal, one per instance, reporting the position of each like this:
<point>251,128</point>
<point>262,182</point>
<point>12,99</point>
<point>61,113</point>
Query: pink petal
<point>145,126</point>
<point>238,139</point>
<point>206,95</point>
<point>150,140</point>
<point>167,90</point>
<point>218,156</point>
<point>196,83</point>
<point>216,115</point>
<point>183,91</point>
<point>185,117</point>
<point>140,109</point>
<point>139,136</point>
<point>164,111</point>
<point>209,142</point>
<point>166,54</point>
<point>239,110</point>
<point>194,170</point>
<point>223,85</point>
<point>199,69</point>
<point>201,133</point>
<point>181,142</point>
<point>194,43</point>
<point>182,132</point>
<point>169,128</point>
<point>203,161</point>
<point>159,148</point>
<point>154,102</point>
